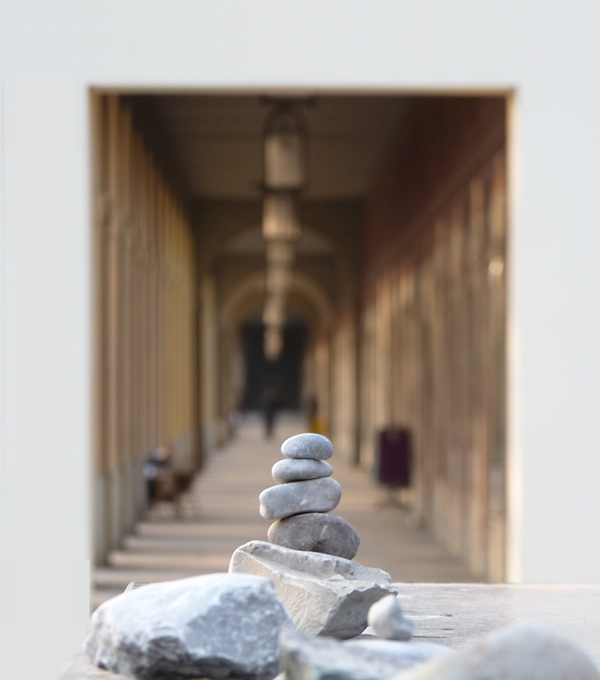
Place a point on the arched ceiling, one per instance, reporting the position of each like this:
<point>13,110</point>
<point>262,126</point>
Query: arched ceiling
<point>306,298</point>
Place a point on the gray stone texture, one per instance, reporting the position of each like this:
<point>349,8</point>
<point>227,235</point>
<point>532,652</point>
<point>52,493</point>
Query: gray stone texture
<point>417,650</point>
<point>387,620</point>
<point>216,626</point>
<point>319,658</point>
<point>307,445</point>
<point>312,495</point>
<point>458,614</point>
<point>316,532</point>
<point>299,469</point>
<point>325,595</point>
<point>524,651</point>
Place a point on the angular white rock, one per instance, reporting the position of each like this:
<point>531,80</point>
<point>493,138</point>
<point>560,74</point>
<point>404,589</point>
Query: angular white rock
<point>323,659</point>
<point>387,620</point>
<point>325,595</point>
<point>216,626</point>
<point>298,469</point>
<point>520,652</point>
<point>307,445</point>
<point>295,498</point>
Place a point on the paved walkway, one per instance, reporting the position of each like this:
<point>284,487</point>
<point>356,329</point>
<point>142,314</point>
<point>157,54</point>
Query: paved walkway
<point>221,514</point>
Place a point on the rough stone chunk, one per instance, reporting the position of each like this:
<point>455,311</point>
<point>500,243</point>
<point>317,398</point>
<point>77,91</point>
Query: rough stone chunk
<point>216,626</point>
<point>520,652</point>
<point>324,594</point>
<point>387,619</point>
<point>308,445</point>
<point>312,495</point>
<point>316,532</point>
<point>325,659</point>
<point>299,469</point>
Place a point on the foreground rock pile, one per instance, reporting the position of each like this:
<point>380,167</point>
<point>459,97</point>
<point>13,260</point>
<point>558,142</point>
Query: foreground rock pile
<point>230,626</point>
<point>304,494</point>
<point>263,617</point>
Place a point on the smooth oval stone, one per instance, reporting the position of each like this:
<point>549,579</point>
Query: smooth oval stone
<point>312,495</point>
<point>316,532</point>
<point>299,469</point>
<point>387,619</point>
<point>307,445</point>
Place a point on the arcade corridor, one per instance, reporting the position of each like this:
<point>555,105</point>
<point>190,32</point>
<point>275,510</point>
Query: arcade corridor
<point>221,513</point>
<point>395,262</point>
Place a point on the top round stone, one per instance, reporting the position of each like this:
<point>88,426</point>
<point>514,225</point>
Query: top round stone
<point>309,445</point>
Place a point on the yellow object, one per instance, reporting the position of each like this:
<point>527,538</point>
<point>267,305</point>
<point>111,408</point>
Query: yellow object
<point>319,425</point>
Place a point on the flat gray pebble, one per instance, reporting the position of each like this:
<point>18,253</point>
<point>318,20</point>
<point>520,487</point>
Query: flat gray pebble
<point>300,469</point>
<point>294,498</point>
<point>316,532</point>
<point>307,445</point>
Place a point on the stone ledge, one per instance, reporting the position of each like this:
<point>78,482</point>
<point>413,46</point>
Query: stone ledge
<point>454,614</point>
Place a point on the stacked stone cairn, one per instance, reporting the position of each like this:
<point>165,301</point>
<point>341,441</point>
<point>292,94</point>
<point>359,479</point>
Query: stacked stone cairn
<point>303,497</point>
<point>265,615</point>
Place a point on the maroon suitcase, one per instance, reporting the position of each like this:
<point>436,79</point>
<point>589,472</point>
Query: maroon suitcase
<point>394,457</point>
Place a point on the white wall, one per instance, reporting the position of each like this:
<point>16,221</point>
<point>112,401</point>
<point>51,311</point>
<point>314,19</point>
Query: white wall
<point>547,51</point>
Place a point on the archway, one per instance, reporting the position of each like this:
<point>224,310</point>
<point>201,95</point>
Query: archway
<point>246,375</point>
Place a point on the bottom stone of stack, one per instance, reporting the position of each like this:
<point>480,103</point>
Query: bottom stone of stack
<point>316,532</point>
<point>325,595</point>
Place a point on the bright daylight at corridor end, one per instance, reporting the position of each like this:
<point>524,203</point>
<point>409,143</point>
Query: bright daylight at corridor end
<point>269,264</point>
